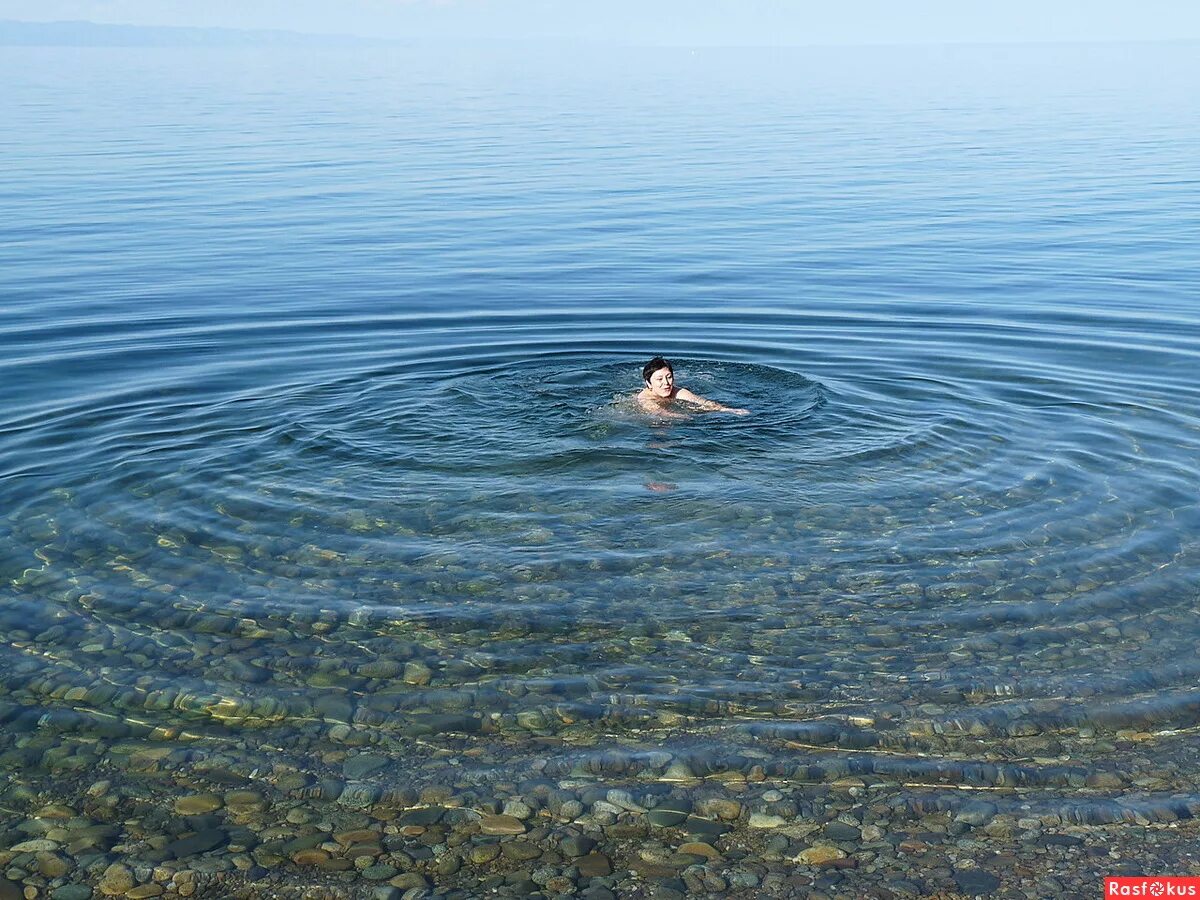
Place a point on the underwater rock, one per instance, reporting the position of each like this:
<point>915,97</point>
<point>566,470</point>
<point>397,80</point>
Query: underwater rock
<point>197,804</point>
<point>820,855</point>
<point>501,825</point>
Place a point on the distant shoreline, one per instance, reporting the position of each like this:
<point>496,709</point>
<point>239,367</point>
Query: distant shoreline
<point>82,33</point>
<point>95,34</point>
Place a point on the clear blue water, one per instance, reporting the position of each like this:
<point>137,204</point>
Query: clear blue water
<point>317,429</point>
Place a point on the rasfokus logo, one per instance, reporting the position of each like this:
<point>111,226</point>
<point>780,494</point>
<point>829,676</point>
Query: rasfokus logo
<point>1151,886</point>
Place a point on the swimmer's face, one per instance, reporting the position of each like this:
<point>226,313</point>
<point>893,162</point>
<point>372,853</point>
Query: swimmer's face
<point>662,382</point>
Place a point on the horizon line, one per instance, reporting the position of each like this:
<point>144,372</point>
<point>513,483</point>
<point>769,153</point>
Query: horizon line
<point>581,39</point>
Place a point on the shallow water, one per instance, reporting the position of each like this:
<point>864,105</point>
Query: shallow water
<point>318,431</point>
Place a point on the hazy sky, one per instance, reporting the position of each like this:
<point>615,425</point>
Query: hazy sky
<point>687,22</point>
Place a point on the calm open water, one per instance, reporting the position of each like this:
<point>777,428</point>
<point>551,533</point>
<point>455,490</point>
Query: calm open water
<point>317,435</point>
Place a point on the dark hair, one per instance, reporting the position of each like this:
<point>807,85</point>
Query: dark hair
<point>654,365</point>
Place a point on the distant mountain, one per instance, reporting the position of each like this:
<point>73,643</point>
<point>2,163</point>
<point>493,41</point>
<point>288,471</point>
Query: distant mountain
<point>95,34</point>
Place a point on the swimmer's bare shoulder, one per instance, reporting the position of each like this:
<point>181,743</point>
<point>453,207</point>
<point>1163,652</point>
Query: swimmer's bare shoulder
<point>658,406</point>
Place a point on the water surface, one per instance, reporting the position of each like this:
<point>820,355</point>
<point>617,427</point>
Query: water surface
<point>317,432</point>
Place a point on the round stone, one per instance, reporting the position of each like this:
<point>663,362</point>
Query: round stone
<point>499,825</point>
<point>522,851</point>
<point>666,818</point>
<point>484,853</point>
<point>840,831</point>
<point>314,856</point>
<point>379,873</point>
<point>819,856</point>
<point>198,804</point>
<point>699,848</point>
<point>116,880</point>
<point>594,865</point>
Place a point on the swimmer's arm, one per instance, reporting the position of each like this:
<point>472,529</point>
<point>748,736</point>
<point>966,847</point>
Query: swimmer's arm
<point>704,403</point>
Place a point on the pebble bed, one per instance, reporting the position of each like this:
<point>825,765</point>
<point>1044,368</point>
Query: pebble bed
<point>167,728</point>
<point>150,821</point>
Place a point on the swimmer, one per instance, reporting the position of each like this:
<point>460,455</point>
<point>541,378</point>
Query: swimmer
<point>660,392</point>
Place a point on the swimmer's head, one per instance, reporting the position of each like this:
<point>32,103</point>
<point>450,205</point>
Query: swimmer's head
<point>659,377</point>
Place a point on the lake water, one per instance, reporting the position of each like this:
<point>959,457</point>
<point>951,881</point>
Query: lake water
<point>320,473</point>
